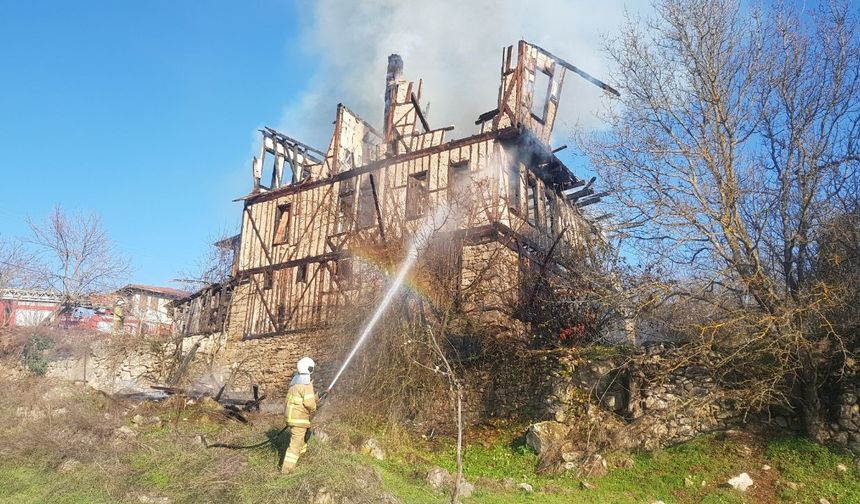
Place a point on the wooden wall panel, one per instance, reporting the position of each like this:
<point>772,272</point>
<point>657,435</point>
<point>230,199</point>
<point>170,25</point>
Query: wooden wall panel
<point>314,227</point>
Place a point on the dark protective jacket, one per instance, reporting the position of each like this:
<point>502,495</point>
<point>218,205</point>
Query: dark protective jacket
<point>301,401</point>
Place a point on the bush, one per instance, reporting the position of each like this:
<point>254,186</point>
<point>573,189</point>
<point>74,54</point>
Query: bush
<point>33,356</point>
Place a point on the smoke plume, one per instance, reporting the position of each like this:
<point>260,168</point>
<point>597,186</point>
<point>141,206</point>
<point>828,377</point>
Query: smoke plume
<point>455,46</point>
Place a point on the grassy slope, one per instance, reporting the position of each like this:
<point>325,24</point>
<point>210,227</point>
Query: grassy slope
<point>166,461</point>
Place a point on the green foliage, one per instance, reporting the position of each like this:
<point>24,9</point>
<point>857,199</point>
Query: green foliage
<point>33,354</point>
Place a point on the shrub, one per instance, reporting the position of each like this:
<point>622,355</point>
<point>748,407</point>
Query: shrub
<point>33,356</point>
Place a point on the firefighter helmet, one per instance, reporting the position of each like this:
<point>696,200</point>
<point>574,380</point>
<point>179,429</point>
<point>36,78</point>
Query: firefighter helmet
<point>305,365</point>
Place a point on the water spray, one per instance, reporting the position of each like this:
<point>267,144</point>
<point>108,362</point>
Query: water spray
<point>421,239</point>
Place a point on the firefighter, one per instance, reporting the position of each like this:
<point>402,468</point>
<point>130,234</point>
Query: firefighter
<point>301,402</point>
<point>118,316</point>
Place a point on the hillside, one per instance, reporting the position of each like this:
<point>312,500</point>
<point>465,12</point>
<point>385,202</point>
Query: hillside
<point>68,443</point>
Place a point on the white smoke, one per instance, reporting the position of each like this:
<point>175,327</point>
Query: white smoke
<point>455,47</point>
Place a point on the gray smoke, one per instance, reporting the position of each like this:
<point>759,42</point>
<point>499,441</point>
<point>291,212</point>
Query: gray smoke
<point>455,46</point>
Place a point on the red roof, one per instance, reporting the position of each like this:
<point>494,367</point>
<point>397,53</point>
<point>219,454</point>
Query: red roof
<point>167,292</point>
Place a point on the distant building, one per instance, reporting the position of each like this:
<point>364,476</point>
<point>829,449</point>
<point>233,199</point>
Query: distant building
<point>145,308</point>
<point>140,309</point>
<point>27,307</point>
<point>31,307</point>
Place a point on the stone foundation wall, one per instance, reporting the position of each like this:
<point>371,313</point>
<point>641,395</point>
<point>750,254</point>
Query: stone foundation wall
<point>641,396</point>
<point>843,425</point>
<point>112,366</point>
<point>268,362</point>
<point>645,399</point>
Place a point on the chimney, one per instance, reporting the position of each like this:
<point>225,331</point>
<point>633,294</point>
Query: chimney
<point>395,72</point>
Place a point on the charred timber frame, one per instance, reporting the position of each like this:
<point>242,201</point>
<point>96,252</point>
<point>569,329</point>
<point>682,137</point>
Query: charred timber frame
<point>357,193</point>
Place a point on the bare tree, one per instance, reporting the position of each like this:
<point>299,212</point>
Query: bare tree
<point>16,265</point>
<point>78,258</point>
<point>734,142</point>
<point>15,271</point>
<point>215,264</point>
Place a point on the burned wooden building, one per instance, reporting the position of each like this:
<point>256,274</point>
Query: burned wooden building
<point>313,214</point>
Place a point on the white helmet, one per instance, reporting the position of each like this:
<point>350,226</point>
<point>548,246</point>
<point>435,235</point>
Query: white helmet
<point>305,365</point>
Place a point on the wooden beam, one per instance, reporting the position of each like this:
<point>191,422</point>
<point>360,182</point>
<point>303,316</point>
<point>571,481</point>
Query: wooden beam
<point>591,200</point>
<point>573,68</point>
<point>406,156</point>
<point>259,237</point>
<point>419,113</point>
<point>579,194</point>
<point>265,304</point>
<point>282,137</point>
<point>329,256</point>
<point>376,204</point>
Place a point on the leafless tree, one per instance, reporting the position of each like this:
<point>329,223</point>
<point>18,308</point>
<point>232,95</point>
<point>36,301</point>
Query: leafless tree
<point>78,258</point>
<point>215,264</point>
<point>734,145</point>
<point>16,270</point>
<point>16,264</point>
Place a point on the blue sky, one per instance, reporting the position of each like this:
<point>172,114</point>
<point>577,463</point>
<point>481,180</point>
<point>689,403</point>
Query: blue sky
<point>143,112</point>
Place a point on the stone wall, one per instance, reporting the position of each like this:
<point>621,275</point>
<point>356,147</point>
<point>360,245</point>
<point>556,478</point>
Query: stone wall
<point>842,426</point>
<point>642,398</point>
<point>649,397</point>
<point>268,362</point>
<point>112,365</point>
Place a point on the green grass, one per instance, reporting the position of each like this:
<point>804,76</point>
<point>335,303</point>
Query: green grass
<point>813,467</point>
<point>34,484</point>
<point>166,461</point>
<point>692,472</point>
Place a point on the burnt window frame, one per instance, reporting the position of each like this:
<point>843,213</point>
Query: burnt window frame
<point>532,213</point>
<point>280,210</point>
<point>549,216</point>
<point>346,195</point>
<point>365,196</point>
<point>417,203</point>
<point>302,273</point>
<point>547,97</point>
<point>515,190</point>
<point>347,160</point>
<point>462,169</point>
<point>268,169</point>
<point>344,272</point>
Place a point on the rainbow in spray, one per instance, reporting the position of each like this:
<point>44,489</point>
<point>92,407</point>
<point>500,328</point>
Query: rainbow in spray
<point>432,223</point>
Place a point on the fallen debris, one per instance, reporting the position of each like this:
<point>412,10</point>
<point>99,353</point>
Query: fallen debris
<point>542,435</point>
<point>233,409</point>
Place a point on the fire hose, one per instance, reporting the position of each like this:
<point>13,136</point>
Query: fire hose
<point>266,442</point>
<point>430,224</point>
<point>425,231</point>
